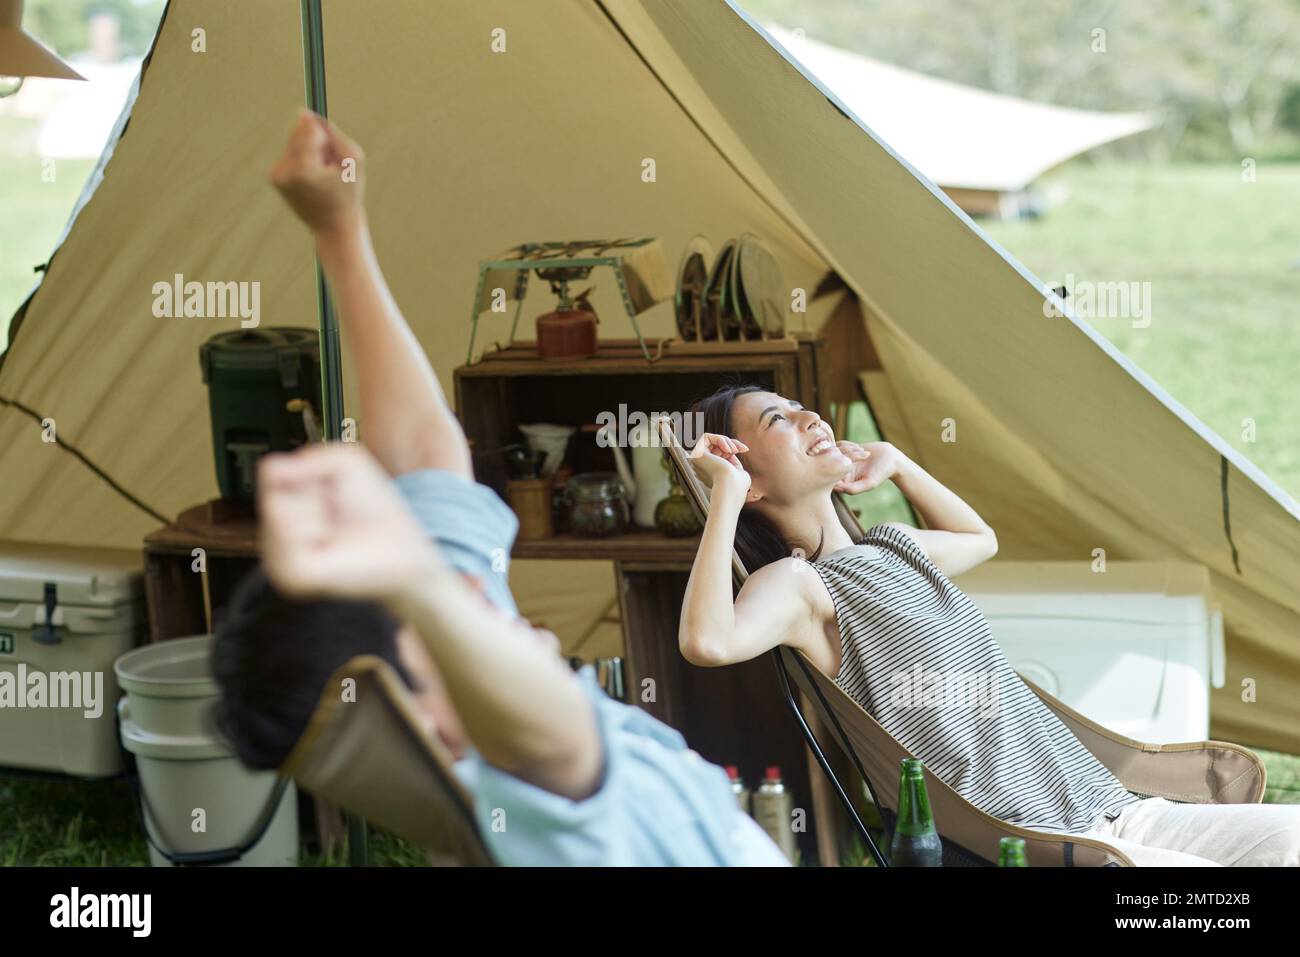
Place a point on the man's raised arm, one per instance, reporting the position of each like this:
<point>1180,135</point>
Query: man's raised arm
<point>408,422</point>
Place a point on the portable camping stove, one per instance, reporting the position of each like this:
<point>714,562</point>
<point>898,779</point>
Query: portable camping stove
<point>560,263</point>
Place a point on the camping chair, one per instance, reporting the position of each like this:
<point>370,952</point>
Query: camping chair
<point>1199,772</point>
<point>372,756</point>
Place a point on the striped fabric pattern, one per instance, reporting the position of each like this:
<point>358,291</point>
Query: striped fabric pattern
<point>920,657</point>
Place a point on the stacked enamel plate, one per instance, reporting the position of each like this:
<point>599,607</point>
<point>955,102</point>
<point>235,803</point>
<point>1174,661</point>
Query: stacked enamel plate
<point>735,296</point>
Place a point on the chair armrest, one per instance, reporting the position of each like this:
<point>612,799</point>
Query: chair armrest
<point>1196,772</point>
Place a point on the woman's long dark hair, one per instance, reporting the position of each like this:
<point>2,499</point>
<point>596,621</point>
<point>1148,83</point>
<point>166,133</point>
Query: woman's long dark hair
<point>758,541</point>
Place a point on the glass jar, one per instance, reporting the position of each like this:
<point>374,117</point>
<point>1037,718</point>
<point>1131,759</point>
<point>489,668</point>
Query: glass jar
<point>597,507</point>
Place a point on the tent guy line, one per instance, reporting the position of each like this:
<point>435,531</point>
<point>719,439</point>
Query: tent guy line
<point>81,456</point>
<point>1227,522</point>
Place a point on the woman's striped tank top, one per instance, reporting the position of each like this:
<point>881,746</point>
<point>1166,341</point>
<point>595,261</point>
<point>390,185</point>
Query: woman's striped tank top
<point>920,657</point>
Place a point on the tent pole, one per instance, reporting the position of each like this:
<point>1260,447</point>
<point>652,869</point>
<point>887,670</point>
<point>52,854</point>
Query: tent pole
<point>331,368</point>
<point>331,364</point>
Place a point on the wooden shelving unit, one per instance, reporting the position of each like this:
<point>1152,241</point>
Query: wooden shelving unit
<point>178,605</point>
<point>513,386</point>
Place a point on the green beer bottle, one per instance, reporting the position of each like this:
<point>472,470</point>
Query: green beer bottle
<point>1011,852</point>
<point>916,842</point>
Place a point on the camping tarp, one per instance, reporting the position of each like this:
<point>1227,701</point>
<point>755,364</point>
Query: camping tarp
<point>1063,445</point>
<point>971,138</point>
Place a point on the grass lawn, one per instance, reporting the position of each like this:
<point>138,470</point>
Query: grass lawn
<point>94,824</point>
<point>1223,260</point>
<point>35,211</point>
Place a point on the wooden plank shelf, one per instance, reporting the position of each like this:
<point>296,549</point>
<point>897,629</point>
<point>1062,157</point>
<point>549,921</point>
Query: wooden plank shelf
<point>633,545</point>
<point>623,357</point>
<point>224,529</point>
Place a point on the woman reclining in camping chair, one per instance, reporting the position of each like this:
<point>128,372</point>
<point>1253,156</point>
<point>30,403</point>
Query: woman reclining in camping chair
<point>875,615</point>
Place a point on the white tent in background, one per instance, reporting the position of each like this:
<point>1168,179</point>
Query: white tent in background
<point>983,149</point>
<point>79,124</point>
<point>1065,446</point>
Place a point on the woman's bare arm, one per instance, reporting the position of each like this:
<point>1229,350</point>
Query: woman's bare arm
<point>771,608</point>
<point>956,538</point>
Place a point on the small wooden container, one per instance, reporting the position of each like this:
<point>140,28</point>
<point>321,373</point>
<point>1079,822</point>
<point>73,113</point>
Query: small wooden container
<point>530,499</point>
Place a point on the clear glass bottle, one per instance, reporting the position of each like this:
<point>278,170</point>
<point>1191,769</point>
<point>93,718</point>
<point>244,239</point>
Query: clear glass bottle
<point>738,788</point>
<point>773,807</point>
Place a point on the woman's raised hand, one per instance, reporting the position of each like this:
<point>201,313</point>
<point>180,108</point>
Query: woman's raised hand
<point>873,463</point>
<point>715,462</point>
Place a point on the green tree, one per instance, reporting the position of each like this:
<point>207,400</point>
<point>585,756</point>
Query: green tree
<point>63,24</point>
<point>1219,71</point>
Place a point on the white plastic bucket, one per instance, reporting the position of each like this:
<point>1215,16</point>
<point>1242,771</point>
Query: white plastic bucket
<point>197,798</point>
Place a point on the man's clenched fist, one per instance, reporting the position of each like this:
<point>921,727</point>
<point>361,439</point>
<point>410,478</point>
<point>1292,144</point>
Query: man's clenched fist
<point>320,174</point>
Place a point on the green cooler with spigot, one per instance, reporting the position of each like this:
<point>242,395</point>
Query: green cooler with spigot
<point>264,391</point>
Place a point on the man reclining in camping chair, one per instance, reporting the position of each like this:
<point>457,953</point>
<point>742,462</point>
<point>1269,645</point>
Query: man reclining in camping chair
<point>869,614</point>
<point>558,772</point>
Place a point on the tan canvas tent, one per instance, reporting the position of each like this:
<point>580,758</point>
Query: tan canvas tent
<point>1062,444</point>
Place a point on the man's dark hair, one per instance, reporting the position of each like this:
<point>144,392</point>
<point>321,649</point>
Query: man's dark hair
<point>272,657</point>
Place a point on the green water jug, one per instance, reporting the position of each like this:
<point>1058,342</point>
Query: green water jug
<point>254,377</point>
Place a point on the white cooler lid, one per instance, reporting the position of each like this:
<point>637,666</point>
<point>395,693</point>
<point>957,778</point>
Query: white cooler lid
<point>1155,592</point>
<point>102,577</point>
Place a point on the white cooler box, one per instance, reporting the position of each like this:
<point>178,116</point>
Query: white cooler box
<point>1135,648</point>
<point>66,614</point>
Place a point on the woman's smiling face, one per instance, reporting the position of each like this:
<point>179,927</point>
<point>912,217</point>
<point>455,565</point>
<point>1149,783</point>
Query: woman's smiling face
<point>792,452</point>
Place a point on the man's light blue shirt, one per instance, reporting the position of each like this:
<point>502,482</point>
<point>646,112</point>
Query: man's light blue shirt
<point>473,528</point>
<point>658,802</point>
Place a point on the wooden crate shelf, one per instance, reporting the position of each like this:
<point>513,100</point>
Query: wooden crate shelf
<point>514,386</point>
<point>634,545</point>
